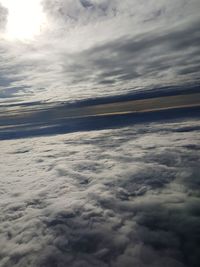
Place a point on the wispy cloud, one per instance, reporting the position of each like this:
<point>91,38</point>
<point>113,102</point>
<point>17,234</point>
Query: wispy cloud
<point>93,48</point>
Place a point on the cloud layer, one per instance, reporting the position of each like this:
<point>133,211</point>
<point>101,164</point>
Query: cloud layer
<point>94,48</point>
<point>118,197</point>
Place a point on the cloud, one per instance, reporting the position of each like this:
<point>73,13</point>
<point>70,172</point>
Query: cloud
<point>79,11</point>
<point>85,10</point>
<point>144,57</point>
<point>120,197</point>
<point>3,17</point>
<point>139,45</point>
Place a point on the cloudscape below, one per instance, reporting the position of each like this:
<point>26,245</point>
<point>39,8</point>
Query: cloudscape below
<point>118,197</point>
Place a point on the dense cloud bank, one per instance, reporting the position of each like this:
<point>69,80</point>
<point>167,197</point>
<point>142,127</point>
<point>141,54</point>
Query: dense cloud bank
<point>124,197</point>
<point>103,47</point>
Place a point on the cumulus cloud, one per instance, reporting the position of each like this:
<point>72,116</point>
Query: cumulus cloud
<point>118,197</point>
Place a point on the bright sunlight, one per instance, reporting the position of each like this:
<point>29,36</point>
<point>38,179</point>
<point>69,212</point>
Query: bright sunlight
<point>25,19</point>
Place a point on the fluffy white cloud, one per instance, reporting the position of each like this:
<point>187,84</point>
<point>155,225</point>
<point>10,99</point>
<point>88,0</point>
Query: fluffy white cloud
<point>118,197</point>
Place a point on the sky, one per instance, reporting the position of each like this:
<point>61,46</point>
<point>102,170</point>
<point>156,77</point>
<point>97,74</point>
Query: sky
<point>74,49</point>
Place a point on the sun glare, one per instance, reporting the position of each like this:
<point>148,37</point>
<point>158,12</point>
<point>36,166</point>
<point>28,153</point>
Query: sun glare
<point>25,18</point>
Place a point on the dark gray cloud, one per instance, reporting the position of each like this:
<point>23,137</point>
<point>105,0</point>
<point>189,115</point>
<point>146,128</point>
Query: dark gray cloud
<point>118,197</point>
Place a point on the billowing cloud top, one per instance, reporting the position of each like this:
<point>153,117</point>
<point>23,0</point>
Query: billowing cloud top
<point>114,198</point>
<point>100,47</point>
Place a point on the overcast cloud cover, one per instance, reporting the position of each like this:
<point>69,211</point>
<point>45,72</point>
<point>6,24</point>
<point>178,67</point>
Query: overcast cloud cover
<point>118,198</point>
<point>102,47</point>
